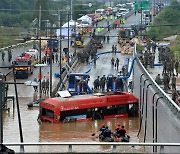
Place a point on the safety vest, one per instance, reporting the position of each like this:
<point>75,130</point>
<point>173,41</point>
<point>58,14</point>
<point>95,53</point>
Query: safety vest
<point>99,29</point>
<point>111,17</point>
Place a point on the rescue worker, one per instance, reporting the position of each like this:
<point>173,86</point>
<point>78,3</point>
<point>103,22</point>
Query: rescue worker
<point>117,133</point>
<point>173,82</point>
<point>96,83</point>
<point>44,86</point>
<point>47,86</point>
<point>102,130</point>
<point>117,63</point>
<point>47,76</point>
<point>113,48</point>
<point>56,57</point>
<point>158,80</point>
<point>112,61</point>
<point>3,55</point>
<point>107,132</point>
<point>108,39</point>
<point>9,55</point>
<point>102,83</point>
<point>174,95</point>
<point>35,87</point>
<point>122,132</point>
<point>166,82</point>
<point>176,65</point>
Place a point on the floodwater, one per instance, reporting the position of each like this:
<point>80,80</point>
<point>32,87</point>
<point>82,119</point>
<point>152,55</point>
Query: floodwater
<point>68,132</point>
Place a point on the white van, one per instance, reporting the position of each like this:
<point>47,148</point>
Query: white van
<point>100,12</point>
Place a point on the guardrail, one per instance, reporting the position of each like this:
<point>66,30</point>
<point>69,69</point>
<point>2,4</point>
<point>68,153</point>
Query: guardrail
<point>113,144</point>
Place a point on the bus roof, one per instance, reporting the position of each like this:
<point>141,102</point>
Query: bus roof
<point>90,101</point>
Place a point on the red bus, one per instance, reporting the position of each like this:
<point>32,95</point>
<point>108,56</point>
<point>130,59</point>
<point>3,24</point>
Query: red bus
<point>88,107</point>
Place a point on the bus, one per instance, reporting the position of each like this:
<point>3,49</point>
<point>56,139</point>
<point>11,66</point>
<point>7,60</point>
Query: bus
<point>88,107</point>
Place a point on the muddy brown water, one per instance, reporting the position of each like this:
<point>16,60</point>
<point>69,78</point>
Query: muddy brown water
<point>68,132</point>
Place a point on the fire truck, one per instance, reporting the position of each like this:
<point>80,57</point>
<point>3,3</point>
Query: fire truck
<point>23,66</point>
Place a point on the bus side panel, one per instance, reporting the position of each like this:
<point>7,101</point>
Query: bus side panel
<point>116,116</point>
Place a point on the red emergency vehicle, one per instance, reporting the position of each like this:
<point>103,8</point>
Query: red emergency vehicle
<point>23,65</point>
<point>88,107</point>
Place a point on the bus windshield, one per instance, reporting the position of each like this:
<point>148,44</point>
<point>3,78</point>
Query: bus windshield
<point>48,113</point>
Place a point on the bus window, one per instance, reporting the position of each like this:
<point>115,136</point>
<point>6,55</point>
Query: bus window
<point>48,113</point>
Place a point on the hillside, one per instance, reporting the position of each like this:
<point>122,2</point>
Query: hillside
<point>168,16</point>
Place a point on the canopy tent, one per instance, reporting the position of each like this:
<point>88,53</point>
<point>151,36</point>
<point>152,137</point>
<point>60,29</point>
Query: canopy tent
<point>71,24</point>
<point>64,29</point>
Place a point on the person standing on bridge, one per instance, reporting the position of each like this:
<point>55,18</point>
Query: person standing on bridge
<point>3,55</point>
<point>166,81</point>
<point>173,82</point>
<point>158,80</point>
<point>176,65</point>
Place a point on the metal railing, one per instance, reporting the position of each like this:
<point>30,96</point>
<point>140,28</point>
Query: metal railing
<point>113,144</point>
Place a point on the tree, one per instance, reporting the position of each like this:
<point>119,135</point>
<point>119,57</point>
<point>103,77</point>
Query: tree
<point>44,10</point>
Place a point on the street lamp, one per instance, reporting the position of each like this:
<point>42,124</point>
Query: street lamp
<point>46,26</point>
<point>59,43</point>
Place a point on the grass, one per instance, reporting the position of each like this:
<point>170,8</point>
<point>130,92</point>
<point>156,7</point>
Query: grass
<point>175,47</point>
<point>8,36</point>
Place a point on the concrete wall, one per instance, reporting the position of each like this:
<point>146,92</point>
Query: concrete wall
<point>163,121</point>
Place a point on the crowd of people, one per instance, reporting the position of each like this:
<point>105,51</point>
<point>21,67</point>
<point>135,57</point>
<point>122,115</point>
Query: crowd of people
<point>169,62</point>
<point>44,83</point>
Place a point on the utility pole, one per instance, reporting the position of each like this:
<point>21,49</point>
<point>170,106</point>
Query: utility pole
<point>71,8</point>
<point>60,45</point>
<point>1,105</point>
<point>68,38</point>
<point>40,70</point>
<point>18,113</point>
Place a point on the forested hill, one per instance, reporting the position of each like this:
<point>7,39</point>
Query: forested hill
<point>16,4</point>
<point>167,23</point>
<point>23,12</point>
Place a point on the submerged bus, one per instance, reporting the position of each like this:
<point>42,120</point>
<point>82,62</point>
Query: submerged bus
<point>88,107</point>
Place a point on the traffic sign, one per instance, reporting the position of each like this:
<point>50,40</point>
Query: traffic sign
<point>142,5</point>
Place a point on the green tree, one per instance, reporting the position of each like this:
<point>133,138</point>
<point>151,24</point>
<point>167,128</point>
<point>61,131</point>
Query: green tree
<point>44,10</point>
